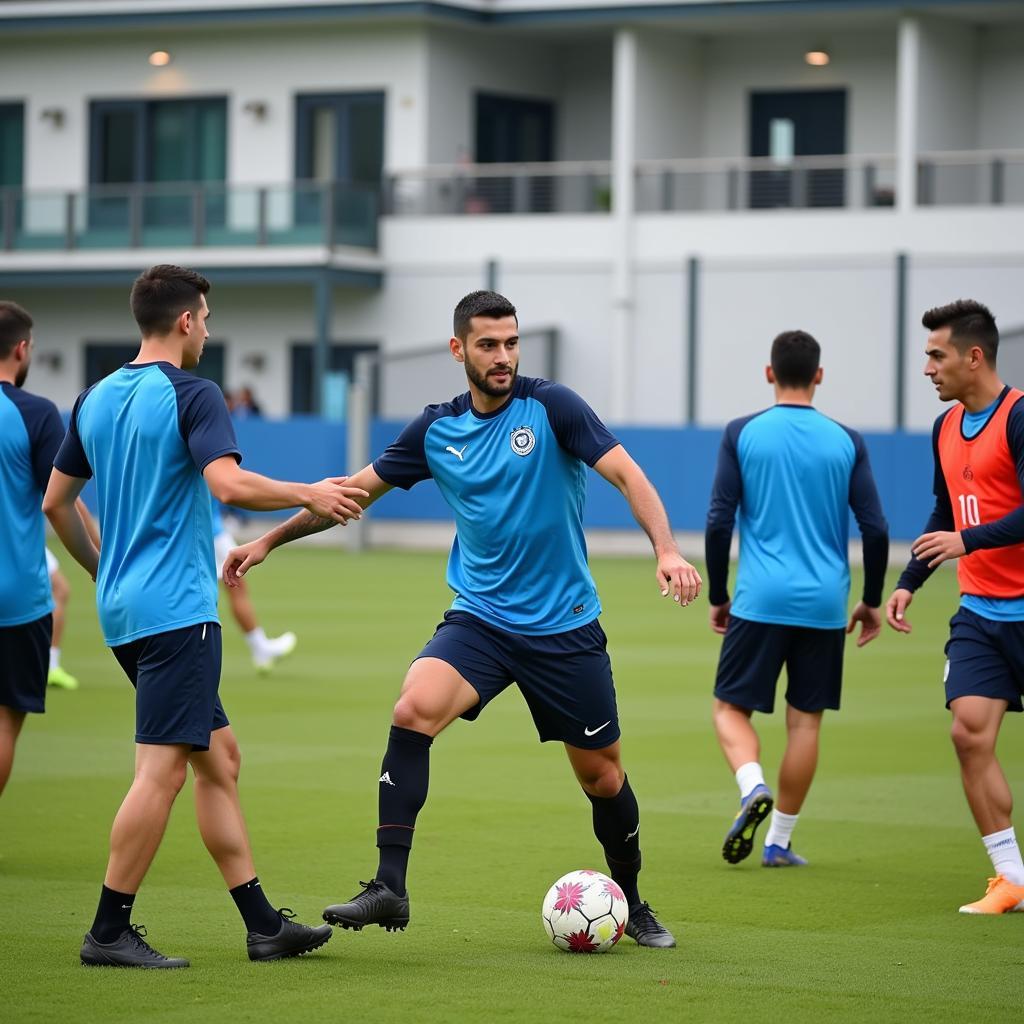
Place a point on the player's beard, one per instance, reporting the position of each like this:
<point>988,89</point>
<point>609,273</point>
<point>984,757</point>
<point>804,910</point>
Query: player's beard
<point>21,375</point>
<point>480,381</point>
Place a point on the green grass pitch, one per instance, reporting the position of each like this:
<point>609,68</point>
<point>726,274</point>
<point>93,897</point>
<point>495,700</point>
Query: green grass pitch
<point>868,932</point>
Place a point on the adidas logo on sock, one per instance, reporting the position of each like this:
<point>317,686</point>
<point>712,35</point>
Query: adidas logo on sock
<point>386,777</point>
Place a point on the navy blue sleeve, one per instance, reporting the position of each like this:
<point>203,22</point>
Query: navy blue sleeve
<point>204,421</point>
<point>576,426</point>
<point>917,572</point>
<point>71,458</point>
<point>1010,529</point>
<point>45,433</point>
<point>404,461</point>
<point>874,530</point>
<point>726,493</point>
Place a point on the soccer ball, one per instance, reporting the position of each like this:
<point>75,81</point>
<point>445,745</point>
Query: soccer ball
<point>585,912</point>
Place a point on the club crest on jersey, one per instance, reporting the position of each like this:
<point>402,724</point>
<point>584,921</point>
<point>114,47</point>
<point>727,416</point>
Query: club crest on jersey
<point>968,473</point>
<point>523,441</point>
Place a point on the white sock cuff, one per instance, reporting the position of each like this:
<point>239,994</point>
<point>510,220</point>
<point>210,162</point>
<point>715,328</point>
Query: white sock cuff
<point>780,829</point>
<point>748,776</point>
<point>994,840</point>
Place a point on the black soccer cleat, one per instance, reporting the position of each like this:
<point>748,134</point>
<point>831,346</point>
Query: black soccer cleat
<point>376,904</point>
<point>293,939</point>
<point>129,949</point>
<point>754,808</point>
<point>645,929</point>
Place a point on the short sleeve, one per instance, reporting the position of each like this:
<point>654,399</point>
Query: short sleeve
<point>71,458</point>
<point>205,423</point>
<point>576,426</point>
<point>46,437</point>
<point>404,461</point>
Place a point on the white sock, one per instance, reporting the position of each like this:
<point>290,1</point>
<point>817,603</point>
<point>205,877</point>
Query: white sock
<point>256,639</point>
<point>54,658</point>
<point>780,830</point>
<point>748,776</point>
<point>1005,853</point>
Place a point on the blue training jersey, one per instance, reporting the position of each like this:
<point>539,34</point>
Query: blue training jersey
<point>516,481</point>
<point>794,474</point>
<point>147,432</point>
<point>30,434</point>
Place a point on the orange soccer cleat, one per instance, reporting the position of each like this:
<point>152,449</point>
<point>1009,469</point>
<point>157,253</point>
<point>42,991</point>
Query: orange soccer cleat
<point>1001,897</point>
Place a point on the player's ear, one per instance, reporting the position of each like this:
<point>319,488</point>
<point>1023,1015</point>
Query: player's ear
<point>819,376</point>
<point>455,345</point>
<point>185,321</point>
<point>769,374</point>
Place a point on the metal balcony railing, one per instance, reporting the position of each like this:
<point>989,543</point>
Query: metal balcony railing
<point>971,178</point>
<point>761,183</point>
<point>190,214</point>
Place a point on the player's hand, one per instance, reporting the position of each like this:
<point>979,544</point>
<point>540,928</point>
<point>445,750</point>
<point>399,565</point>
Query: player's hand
<point>720,617</point>
<point>936,548</point>
<point>870,620</point>
<point>678,577</point>
<point>331,499</point>
<point>896,608</point>
<point>240,560</point>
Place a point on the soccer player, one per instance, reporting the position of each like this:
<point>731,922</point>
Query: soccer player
<point>510,457</point>
<point>978,518</point>
<point>157,440</point>
<point>30,434</point>
<point>793,474</point>
<point>265,649</point>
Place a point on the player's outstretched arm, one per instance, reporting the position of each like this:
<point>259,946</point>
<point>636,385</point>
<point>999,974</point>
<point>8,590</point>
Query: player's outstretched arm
<point>675,574</point>
<point>60,507</point>
<point>303,524</point>
<point>896,609</point>
<point>334,499</point>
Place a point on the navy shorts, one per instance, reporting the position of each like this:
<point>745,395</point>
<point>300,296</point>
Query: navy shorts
<point>25,664</point>
<point>566,678</point>
<point>176,676</point>
<point>985,658</point>
<point>753,656</point>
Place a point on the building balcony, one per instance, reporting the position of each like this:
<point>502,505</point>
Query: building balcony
<point>190,215</point>
<point>855,181</point>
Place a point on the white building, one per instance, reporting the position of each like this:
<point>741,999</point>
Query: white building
<point>659,186</point>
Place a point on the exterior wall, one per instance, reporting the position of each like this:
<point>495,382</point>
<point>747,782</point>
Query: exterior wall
<point>862,62</point>
<point>1000,87</point>
<point>948,113</point>
<point>242,65</point>
<point>463,63</point>
<point>671,96</point>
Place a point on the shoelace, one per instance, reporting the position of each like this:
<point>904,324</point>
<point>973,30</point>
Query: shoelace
<point>992,883</point>
<point>287,913</point>
<point>643,919</point>
<point>370,889</point>
<point>139,934</point>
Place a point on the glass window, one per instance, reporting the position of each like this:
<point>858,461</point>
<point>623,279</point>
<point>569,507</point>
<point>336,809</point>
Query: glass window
<point>12,144</point>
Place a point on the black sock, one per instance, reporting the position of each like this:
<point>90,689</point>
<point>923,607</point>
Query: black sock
<point>617,827</point>
<point>113,915</point>
<point>404,774</point>
<point>257,913</point>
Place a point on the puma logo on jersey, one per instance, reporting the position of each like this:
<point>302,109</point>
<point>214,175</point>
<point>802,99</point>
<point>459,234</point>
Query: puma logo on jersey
<point>456,451</point>
<point>386,778</point>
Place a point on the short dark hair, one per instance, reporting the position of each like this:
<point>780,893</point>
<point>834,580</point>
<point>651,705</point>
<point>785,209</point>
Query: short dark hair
<point>161,294</point>
<point>971,323</point>
<point>15,326</point>
<point>796,357</point>
<point>482,303</point>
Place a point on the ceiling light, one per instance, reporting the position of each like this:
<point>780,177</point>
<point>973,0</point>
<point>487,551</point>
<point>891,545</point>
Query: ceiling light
<point>159,58</point>
<point>817,58</point>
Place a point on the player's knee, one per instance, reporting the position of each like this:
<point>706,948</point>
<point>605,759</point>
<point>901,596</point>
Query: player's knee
<point>168,780</point>
<point>967,740</point>
<point>411,713</point>
<point>602,780</point>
